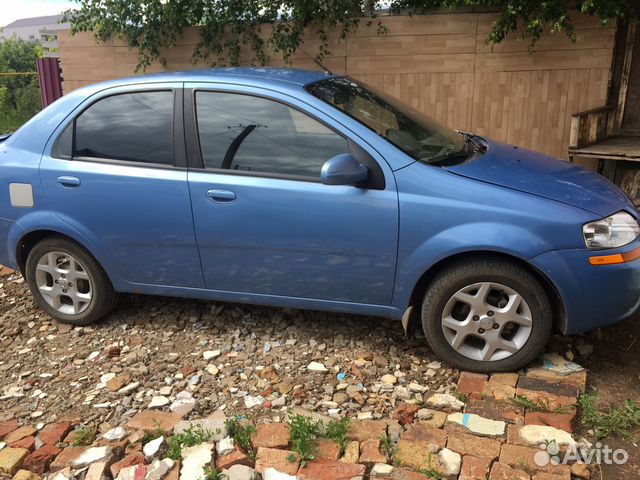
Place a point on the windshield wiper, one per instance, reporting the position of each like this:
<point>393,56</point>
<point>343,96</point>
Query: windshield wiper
<point>471,146</point>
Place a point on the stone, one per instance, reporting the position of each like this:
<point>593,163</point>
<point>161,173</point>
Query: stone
<point>195,459</point>
<point>7,427</point>
<point>225,446</point>
<point>214,423</point>
<point>40,460</point>
<point>134,458</point>
<point>534,435</point>
<point>151,420</point>
<point>445,401</point>
<point>236,457</point>
<point>151,448</point>
<point>239,472</point>
<point>97,471</point>
<point>437,420</point>
<point>135,472</point>
<point>11,459</point>
<point>158,401</point>
<point>419,444</point>
<point>92,455</point>
<point>115,434</point>
<point>159,469</point>
<point>478,425</point>
<point>389,379</point>
<point>19,434</point>
<point>381,470</point>
<point>516,455</point>
<point>55,432</point>
<point>327,449</point>
<point>317,367</point>
<point>27,443</point>
<point>472,384</point>
<point>417,388</point>
<point>271,435</point>
<point>183,404</point>
<point>405,413</point>
<point>474,468</point>
<point>501,471</point>
<point>558,403</point>
<point>370,452</point>
<point>351,452</point>
<point>64,474</point>
<point>466,444</point>
<point>271,473</point>
<point>361,430</point>
<point>284,461</point>
<point>211,354</point>
<point>64,459</point>
<point>558,388</point>
<point>581,470</point>
<point>576,379</point>
<point>449,462</point>
<point>118,382</point>
<point>330,470</point>
<point>561,421</point>
<point>27,475</point>
<point>505,411</point>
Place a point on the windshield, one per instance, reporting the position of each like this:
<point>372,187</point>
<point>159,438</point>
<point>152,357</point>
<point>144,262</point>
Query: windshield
<point>414,133</point>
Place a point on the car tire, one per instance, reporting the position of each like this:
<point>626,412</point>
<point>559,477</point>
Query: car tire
<point>475,307</point>
<point>68,283</point>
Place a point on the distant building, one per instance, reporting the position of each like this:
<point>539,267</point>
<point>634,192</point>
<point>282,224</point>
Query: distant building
<point>41,29</point>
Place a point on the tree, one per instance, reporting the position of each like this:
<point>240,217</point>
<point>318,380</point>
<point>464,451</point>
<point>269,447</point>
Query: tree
<point>229,25</point>
<point>19,94</point>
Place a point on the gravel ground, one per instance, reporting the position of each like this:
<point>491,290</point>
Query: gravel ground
<point>240,359</point>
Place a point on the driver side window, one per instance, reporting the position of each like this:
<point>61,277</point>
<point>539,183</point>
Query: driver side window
<point>254,134</point>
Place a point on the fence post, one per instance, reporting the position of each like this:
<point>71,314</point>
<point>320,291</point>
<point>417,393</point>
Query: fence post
<point>50,80</point>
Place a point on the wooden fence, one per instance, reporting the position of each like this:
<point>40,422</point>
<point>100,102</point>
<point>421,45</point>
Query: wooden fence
<point>439,63</point>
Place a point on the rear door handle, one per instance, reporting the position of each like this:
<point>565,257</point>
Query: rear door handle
<point>69,182</point>
<point>221,196</point>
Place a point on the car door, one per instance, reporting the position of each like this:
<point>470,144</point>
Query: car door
<point>117,174</point>
<point>264,223</point>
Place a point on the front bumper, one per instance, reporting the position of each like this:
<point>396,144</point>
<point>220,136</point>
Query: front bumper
<point>593,295</point>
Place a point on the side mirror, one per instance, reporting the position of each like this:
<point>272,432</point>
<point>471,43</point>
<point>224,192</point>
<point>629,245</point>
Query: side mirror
<point>343,169</point>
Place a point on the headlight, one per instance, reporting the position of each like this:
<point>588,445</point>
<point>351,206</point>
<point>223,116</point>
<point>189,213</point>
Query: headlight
<point>615,231</point>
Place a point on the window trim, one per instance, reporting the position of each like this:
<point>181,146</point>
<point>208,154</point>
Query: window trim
<point>194,147</point>
<point>177,126</point>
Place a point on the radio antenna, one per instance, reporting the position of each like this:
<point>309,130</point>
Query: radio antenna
<point>316,61</point>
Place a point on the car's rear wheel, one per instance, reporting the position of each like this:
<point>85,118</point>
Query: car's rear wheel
<point>486,315</point>
<point>67,282</point>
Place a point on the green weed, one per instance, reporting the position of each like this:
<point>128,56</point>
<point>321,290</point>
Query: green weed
<point>617,421</point>
<point>303,433</point>
<point>337,431</point>
<point>192,436</point>
<point>241,434</point>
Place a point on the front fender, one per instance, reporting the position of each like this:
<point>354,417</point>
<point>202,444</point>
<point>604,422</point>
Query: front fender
<point>471,237</point>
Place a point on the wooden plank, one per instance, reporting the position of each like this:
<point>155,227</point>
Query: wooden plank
<point>411,63</point>
<point>549,60</point>
<point>432,24</point>
<point>411,44</point>
<point>588,39</point>
<point>626,73</point>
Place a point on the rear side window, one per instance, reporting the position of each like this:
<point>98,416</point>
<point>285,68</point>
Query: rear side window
<point>136,127</point>
<point>254,134</point>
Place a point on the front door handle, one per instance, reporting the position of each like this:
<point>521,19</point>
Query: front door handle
<point>221,196</point>
<point>69,182</point>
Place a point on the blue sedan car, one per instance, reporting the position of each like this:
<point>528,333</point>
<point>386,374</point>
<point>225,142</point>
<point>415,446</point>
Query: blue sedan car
<point>309,190</point>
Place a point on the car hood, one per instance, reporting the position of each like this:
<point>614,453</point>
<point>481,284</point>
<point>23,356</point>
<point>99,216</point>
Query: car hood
<point>521,169</point>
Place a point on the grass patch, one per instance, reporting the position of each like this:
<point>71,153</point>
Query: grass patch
<point>617,421</point>
<point>241,434</point>
<point>303,433</point>
<point>337,431</point>
<point>192,436</point>
<point>430,471</point>
<point>388,448</point>
<point>84,437</point>
<point>213,474</point>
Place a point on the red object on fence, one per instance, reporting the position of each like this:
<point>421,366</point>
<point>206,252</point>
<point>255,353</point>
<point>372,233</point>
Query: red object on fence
<point>50,80</point>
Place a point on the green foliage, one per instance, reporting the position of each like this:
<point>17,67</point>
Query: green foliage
<point>303,433</point>
<point>337,431</point>
<point>617,421</point>
<point>388,448</point>
<point>213,474</point>
<point>84,437</point>
<point>231,25</point>
<point>241,434</point>
<point>430,471</point>
<point>538,405</point>
<point>19,94</point>
<point>192,436</point>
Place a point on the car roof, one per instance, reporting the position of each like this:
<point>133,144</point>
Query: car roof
<point>256,75</point>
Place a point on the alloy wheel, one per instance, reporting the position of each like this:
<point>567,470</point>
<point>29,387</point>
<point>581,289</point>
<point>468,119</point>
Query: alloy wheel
<point>64,283</point>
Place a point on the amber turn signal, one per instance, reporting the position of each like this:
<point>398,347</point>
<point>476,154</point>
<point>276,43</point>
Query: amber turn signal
<point>616,258</point>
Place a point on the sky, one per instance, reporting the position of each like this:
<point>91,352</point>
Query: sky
<point>11,10</point>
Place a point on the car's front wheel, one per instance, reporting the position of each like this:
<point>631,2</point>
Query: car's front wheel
<point>67,282</point>
<point>486,315</point>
